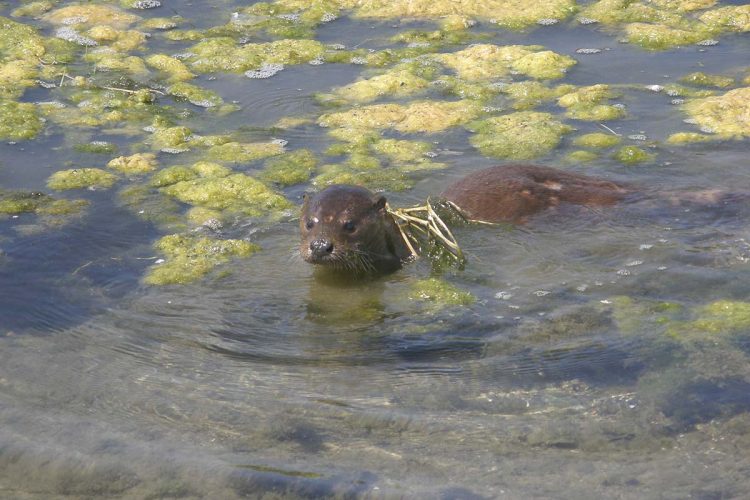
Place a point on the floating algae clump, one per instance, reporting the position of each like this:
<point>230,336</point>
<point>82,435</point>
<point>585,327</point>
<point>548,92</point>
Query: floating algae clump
<point>174,68</point>
<point>139,163</point>
<point>18,121</point>
<point>659,37</point>
<point>153,206</point>
<point>726,115</point>
<point>703,80</point>
<point>545,65</point>
<point>581,156</point>
<point>632,155</point>
<point>518,136</point>
<point>96,147</point>
<point>12,203</point>
<point>597,140</point>
<point>388,179</point>
<point>529,94</point>
<point>688,137</point>
<point>33,9</point>
<point>189,258</point>
<point>402,150</point>
<point>733,18</point>
<point>171,137</point>
<point>441,292</point>
<point>424,116</point>
<point>290,168</point>
<point>121,41</point>
<point>484,61</point>
<point>225,54</point>
<point>20,51</point>
<point>90,14</point>
<point>585,104</point>
<point>239,152</point>
<point>215,187</point>
<point>399,83</point>
<point>80,178</point>
<point>173,175</point>
<point>723,317</point>
<point>195,95</point>
<point>512,14</point>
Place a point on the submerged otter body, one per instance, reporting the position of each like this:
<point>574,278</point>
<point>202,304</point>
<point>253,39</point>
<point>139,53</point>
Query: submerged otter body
<point>348,227</point>
<point>512,193</point>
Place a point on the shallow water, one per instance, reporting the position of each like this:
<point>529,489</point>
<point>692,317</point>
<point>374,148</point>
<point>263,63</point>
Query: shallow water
<point>561,379</point>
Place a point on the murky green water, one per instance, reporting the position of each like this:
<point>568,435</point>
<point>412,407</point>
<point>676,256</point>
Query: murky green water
<point>605,352</point>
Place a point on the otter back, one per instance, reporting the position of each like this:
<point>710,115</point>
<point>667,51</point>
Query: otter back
<point>512,193</point>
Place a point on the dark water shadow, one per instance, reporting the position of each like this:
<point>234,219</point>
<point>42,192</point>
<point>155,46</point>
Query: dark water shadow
<point>58,278</point>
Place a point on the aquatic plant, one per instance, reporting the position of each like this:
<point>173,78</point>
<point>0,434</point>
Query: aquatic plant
<point>727,115</point>
<point>189,258</point>
<point>81,178</point>
<point>440,292</point>
<point>519,136</point>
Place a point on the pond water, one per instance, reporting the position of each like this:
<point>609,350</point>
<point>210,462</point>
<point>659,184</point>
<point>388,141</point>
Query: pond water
<point>602,352</point>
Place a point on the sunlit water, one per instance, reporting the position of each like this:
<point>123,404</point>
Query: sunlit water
<point>276,381</point>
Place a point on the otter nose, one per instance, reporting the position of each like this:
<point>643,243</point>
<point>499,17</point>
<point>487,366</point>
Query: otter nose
<point>321,247</point>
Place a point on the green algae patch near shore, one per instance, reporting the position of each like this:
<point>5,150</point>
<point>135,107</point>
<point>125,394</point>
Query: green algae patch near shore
<point>423,116</point>
<point>189,258</point>
<point>440,293</point>
<point>518,136</point>
<point>726,115</point>
<point>81,178</point>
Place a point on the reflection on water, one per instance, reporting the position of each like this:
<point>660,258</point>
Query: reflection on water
<point>567,377</point>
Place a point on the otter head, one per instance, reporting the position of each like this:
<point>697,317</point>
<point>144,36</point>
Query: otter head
<point>345,228</point>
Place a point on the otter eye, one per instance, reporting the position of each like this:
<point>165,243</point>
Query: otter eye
<point>349,226</point>
<point>309,224</point>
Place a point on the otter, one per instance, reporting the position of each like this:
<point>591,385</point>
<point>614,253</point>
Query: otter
<point>348,228</point>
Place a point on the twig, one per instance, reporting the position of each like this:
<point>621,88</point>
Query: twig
<point>606,127</point>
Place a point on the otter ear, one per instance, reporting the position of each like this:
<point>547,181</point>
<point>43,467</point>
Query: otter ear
<point>305,200</point>
<point>379,202</point>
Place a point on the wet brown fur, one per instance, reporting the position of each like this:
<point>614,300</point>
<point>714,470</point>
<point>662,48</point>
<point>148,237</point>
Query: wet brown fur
<point>363,237</point>
<point>348,228</point>
<point>512,193</point>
